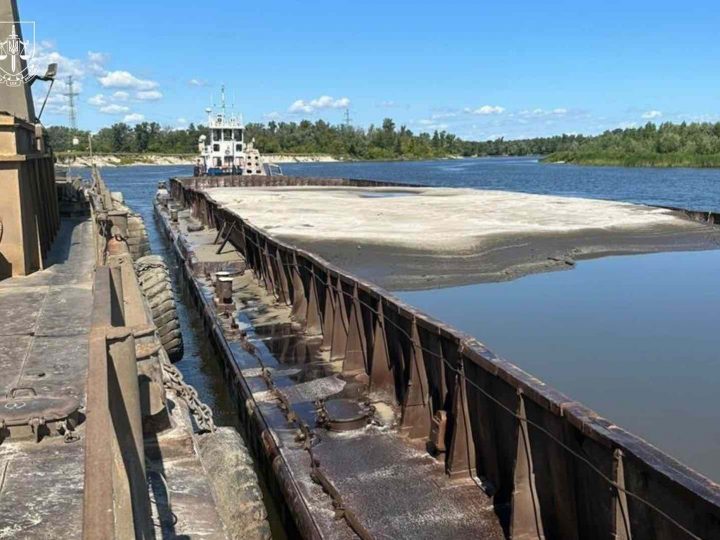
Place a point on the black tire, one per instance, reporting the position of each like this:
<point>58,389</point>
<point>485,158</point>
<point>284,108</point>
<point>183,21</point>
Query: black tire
<point>154,278</point>
<point>234,482</point>
<point>137,240</point>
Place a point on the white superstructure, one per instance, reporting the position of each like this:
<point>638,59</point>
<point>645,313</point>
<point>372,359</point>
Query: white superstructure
<point>225,150</point>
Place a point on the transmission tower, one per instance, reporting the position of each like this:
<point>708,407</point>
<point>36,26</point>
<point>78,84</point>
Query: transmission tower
<point>71,95</point>
<point>347,116</point>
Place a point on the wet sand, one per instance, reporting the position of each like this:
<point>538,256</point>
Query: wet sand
<point>419,238</point>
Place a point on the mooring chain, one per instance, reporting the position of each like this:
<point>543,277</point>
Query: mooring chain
<point>202,413</point>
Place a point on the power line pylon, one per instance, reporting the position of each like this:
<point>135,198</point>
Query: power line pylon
<point>71,95</point>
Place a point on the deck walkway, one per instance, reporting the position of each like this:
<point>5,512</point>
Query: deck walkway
<point>44,327</point>
<point>393,487</point>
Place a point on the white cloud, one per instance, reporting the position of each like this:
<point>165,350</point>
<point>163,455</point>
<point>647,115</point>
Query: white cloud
<point>197,82</point>
<point>300,106</point>
<point>560,111</point>
<point>628,125</point>
<point>56,104</point>
<point>323,102</point>
<point>487,109</point>
<point>98,100</point>
<point>96,62</point>
<point>431,124</point>
<point>652,114</point>
<point>121,95</point>
<point>182,120</point>
<point>149,95</point>
<point>443,116</point>
<point>125,79</point>
<point>133,118</point>
<point>79,68</point>
<point>273,115</point>
<point>114,109</point>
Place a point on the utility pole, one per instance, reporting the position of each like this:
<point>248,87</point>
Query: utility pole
<point>71,95</point>
<point>222,99</point>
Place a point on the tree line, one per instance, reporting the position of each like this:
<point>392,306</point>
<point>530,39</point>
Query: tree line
<point>666,145</point>
<point>387,141</point>
<point>696,144</point>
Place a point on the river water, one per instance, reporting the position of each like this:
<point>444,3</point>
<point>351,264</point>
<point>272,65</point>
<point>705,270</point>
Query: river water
<point>633,337</point>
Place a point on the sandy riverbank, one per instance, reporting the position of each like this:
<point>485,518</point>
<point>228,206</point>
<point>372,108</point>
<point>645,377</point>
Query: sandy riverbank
<point>129,160</point>
<point>413,238</point>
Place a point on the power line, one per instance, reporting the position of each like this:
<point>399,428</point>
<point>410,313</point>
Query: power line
<point>71,95</point>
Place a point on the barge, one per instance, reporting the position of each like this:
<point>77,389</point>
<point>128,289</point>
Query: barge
<point>372,419</point>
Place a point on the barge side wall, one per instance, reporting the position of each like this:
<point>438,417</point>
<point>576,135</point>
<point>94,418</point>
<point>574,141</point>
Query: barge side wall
<point>555,467</point>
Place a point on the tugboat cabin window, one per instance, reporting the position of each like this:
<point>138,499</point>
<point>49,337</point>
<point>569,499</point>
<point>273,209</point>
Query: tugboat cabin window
<point>216,147</point>
<point>217,134</point>
<point>238,147</point>
<point>238,134</point>
<point>227,134</point>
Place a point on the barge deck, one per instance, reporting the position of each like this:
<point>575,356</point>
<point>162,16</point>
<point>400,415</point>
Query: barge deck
<point>44,330</point>
<point>381,483</point>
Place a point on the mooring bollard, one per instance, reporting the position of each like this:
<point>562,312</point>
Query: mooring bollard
<point>119,219</point>
<point>174,214</point>
<point>223,287</point>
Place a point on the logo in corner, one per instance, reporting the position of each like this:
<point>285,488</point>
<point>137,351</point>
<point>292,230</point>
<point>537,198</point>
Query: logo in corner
<point>17,47</point>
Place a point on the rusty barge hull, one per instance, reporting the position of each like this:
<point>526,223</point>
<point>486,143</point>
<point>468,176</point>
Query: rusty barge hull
<point>545,464</point>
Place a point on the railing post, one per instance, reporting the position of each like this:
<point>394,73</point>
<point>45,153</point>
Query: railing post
<point>621,509</point>
<point>355,361</point>
<point>283,283</point>
<point>298,313</point>
<point>526,518</point>
<point>313,318</point>
<point>381,375</point>
<point>340,324</point>
<point>328,315</point>
<point>416,404</point>
<point>461,455</point>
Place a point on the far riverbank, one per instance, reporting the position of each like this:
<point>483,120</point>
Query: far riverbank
<point>130,160</point>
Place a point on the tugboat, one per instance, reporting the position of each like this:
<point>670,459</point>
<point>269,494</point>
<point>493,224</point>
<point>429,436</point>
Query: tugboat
<point>226,152</point>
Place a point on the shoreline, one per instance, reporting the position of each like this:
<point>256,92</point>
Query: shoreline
<point>136,160</point>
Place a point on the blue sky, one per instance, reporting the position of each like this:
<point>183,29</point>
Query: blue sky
<point>475,68</point>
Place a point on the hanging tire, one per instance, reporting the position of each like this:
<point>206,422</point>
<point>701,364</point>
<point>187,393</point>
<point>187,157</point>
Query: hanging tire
<point>155,283</point>
<point>137,240</point>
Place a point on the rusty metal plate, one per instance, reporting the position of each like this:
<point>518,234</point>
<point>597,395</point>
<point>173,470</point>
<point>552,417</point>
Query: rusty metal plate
<point>21,405</point>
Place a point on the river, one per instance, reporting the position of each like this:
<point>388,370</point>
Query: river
<point>634,338</point>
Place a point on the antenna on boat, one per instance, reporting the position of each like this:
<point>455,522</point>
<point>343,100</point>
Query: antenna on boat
<point>222,99</point>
